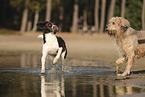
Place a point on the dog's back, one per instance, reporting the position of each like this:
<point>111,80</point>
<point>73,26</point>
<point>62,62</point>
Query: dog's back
<point>141,34</point>
<point>140,51</point>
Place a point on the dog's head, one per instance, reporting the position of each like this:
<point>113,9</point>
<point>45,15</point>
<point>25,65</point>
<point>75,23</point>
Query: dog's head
<point>47,26</point>
<point>117,26</point>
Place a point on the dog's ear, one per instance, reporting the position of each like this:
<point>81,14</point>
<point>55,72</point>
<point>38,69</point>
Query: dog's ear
<point>124,24</point>
<point>124,28</point>
<point>40,24</point>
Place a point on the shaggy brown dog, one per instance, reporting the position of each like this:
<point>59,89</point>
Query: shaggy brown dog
<point>127,39</point>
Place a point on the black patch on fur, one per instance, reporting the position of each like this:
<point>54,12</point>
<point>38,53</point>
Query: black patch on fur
<point>44,38</point>
<point>62,44</point>
<point>46,26</point>
<point>40,24</point>
<point>141,41</point>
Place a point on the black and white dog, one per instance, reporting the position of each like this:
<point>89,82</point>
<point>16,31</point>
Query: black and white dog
<point>52,45</point>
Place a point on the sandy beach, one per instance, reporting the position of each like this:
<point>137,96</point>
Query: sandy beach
<point>98,47</point>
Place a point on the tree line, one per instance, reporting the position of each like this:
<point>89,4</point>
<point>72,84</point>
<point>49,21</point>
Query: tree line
<point>70,15</point>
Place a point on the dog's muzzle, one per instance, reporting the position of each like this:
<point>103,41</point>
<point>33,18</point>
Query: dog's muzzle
<point>110,32</point>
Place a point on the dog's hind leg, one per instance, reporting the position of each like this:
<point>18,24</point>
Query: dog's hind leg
<point>63,55</point>
<point>118,62</point>
<point>57,55</point>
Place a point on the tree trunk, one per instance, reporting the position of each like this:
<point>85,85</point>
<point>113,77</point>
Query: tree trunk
<point>75,17</point>
<point>24,20</point>
<point>29,26</point>
<point>143,15</point>
<point>97,15</point>
<point>123,8</point>
<point>85,25</point>
<point>48,10</point>
<point>102,15</point>
<point>35,21</point>
<point>111,9</point>
<point>24,17</point>
<point>61,16</point>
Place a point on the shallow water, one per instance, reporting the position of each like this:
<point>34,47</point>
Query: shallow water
<point>20,77</point>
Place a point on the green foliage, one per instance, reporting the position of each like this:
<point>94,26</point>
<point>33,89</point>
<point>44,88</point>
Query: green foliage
<point>117,10</point>
<point>37,5</point>
<point>32,4</point>
<point>17,3</point>
<point>133,13</point>
<point>55,4</point>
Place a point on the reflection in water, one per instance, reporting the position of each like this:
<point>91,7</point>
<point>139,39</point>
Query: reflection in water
<point>123,90</point>
<point>20,77</point>
<point>20,59</point>
<point>82,87</point>
<point>52,86</point>
<point>29,60</point>
<point>19,84</point>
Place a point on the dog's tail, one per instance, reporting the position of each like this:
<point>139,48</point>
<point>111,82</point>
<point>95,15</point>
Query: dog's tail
<point>40,36</point>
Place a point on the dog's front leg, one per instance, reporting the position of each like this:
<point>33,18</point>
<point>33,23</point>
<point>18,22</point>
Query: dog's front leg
<point>57,55</point>
<point>118,62</point>
<point>43,58</point>
<point>129,64</point>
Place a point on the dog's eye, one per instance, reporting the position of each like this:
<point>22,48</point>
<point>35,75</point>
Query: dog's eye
<point>49,25</point>
<point>113,23</point>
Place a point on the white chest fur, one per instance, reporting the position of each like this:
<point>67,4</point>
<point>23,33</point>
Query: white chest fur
<point>51,45</point>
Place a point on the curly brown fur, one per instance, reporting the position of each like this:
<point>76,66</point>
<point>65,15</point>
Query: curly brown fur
<point>128,42</point>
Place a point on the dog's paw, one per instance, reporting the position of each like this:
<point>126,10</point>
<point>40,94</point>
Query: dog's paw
<point>55,61</point>
<point>123,74</point>
<point>40,36</point>
<point>120,75</point>
<point>42,71</point>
